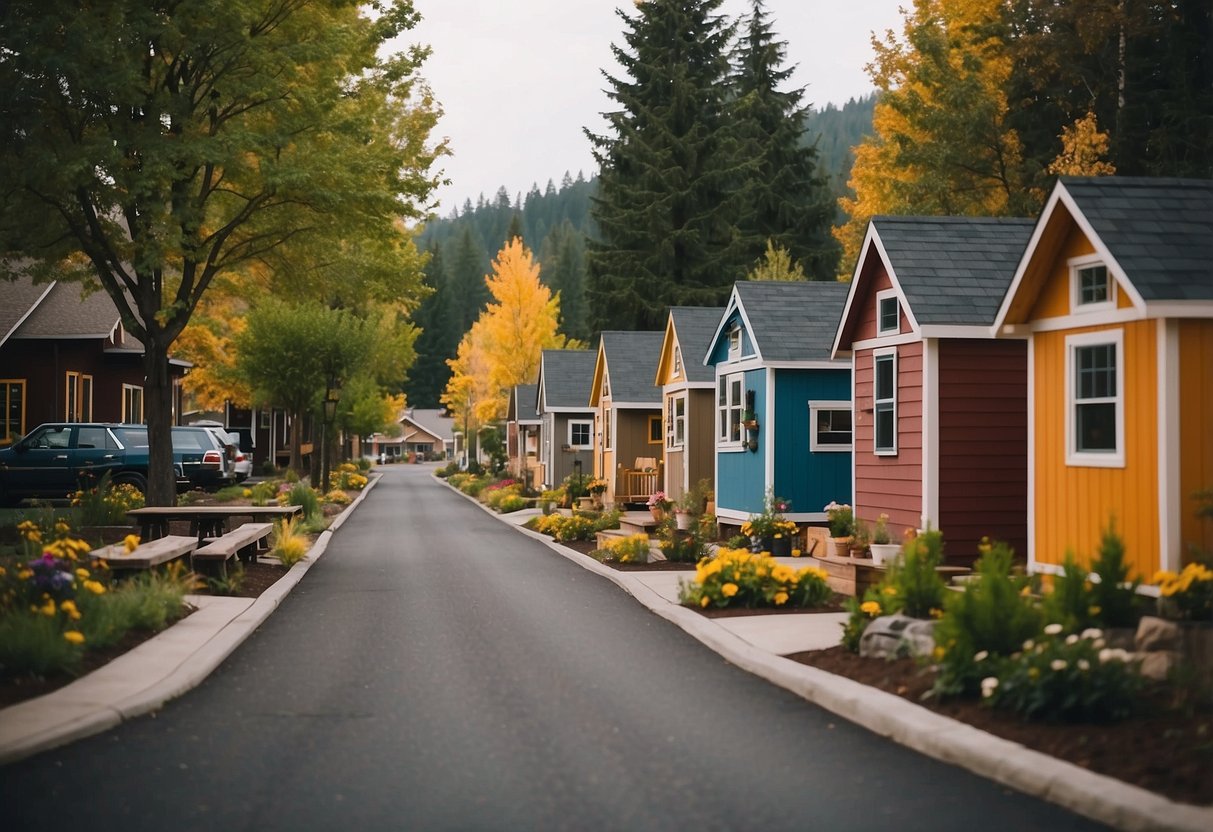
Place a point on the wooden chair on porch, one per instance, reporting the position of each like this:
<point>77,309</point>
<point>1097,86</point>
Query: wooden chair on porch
<point>638,483</point>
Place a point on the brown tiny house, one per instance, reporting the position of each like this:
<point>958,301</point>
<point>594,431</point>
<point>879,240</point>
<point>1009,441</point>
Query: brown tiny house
<point>688,387</point>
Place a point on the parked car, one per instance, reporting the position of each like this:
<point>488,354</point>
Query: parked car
<point>243,463</point>
<point>55,459</point>
<point>211,464</point>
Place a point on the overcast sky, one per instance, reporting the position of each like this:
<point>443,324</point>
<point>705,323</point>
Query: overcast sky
<point>518,81</point>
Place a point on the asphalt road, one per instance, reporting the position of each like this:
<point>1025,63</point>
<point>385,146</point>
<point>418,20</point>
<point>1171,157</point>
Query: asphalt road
<point>438,670</point>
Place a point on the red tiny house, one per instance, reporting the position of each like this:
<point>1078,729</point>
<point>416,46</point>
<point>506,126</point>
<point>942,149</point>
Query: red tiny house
<point>940,405</point>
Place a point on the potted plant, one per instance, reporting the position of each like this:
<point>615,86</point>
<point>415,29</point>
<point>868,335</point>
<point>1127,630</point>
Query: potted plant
<point>882,548</point>
<point>659,504</point>
<point>597,487</point>
<point>770,531</point>
<point>749,420</point>
<point>842,525</point>
<point>689,504</point>
<point>860,540</point>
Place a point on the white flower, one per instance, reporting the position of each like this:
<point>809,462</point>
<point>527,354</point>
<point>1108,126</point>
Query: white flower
<point>982,656</point>
<point>1113,654</point>
<point>1052,629</point>
<point>1092,633</point>
<point>1058,665</point>
<point>1099,644</point>
<point>988,685</point>
<point>1083,664</point>
<point>1071,639</point>
<point>1028,645</point>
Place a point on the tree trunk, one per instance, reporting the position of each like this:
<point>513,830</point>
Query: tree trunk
<point>158,413</point>
<point>296,463</point>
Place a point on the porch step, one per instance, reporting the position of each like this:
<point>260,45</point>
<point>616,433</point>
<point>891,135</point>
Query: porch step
<point>635,522</point>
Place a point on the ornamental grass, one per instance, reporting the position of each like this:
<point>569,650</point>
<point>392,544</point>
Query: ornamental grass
<point>739,578</point>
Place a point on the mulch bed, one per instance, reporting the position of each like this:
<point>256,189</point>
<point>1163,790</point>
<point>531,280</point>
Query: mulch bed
<point>1165,749</point>
<point>834,604</point>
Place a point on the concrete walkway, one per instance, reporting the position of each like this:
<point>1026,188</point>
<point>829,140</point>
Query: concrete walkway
<point>180,658</point>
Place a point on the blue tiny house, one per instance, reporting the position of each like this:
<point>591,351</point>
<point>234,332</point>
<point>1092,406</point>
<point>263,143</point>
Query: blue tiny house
<point>783,405</point>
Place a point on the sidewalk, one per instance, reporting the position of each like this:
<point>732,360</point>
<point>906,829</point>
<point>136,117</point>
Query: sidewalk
<point>184,655</point>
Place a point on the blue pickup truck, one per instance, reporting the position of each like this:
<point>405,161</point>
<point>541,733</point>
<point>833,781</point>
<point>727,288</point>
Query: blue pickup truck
<point>55,459</point>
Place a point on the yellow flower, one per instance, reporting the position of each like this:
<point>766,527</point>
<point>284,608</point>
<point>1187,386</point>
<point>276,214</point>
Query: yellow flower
<point>95,587</point>
<point>704,601</point>
<point>25,574</point>
<point>69,607</point>
<point>1094,610</point>
<point>889,590</point>
<point>781,598</point>
<point>938,653</point>
<point>74,636</point>
<point>248,492</point>
<point>81,573</point>
<point>870,608</point>
<point>936,612</point>
<point>729,590</point>
<point>48,608</point>
<point>3,571</point>
<point>130,542</point>
<point>796,553</point>
<point>1026,591</point>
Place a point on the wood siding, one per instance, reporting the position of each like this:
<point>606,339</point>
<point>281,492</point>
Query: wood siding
<point>890,485</point>
<point>865,305</point>
<point>1074,504</point>
<point>701,437</point>
<point>741,475</point>
<point>808,480</point>
<point>983,444</point>
<point>1196,431</point>
<point>631,441</point>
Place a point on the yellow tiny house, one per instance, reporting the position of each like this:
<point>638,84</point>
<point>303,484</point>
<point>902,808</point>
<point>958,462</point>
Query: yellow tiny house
<point>1115,296</point>
<point>627,415</point>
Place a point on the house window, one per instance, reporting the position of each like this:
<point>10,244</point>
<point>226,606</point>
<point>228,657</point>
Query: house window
<point>888,312</point>
<point>132,404</point>
<point>655,430</point>
<point>264,418</point>
<point>86,398</point>
<point>1095,399</point>
<point>730,402</point>
<point>734,342</point>
<point>606,430</point>
<point>884,394</point>
<point>581,434</point>
<point>78,398</point>
<point>830,426</point>
<point>12,408</point>
<point>676,421</point>
<point>677,362</point>
<point>1092,289</point>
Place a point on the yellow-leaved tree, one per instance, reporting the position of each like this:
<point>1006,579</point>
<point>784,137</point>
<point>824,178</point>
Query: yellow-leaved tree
<point>504,345</point>
<point>1084,150</point>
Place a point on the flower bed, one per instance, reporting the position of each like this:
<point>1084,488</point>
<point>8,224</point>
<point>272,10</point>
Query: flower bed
<point>740,579</point>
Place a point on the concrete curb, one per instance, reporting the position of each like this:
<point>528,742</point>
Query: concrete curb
<point>161,669</point>
<point>1084,792</point>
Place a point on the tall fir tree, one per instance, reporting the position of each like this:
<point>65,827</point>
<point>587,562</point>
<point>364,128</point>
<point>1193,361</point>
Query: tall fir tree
<point>469,295</point>
<point>666,203</point>
<point>563,259</point>
<point>438,339</point>
<point>785,201</point>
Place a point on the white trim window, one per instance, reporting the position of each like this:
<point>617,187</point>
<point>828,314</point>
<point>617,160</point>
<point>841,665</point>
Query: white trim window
<point>676,422</point>
<point>830,426</point>
<point>581,433</point>
<point>132,404</point>
<point>1095,399</point>
<point>677,371</point>
<point>730,401</point>
<point>735,343</point>
<point>607,430</point>
<point>1092,288</point>
<point>884,402</point>
<point>888,312</point>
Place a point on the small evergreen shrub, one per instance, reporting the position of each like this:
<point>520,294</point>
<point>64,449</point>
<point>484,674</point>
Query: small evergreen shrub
<point>918,588</point>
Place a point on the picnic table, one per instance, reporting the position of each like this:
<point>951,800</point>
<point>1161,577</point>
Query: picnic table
<point>145,555</point>
<point>205,521</point>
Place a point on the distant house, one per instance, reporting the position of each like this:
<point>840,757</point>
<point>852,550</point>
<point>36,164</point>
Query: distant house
<point>771,359</point>
<point>522,427</point>
<point>687,389</point>
<point>426,432</point>
<point>66,356</point>
<point>1114,293</point>
<point>562,402</point>
<point>941,423</point>
<point>628,432</point>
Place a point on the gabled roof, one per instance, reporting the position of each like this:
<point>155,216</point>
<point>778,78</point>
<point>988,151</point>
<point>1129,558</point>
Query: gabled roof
<point>54,310</point>
<point>947,271</point>
<point>629,362</point>
<point>433,421</point>
<point>522,405</point>
<point>1154,234</point>
<point>564,380</point>
<point>690,328</point>
<point>787,320</point>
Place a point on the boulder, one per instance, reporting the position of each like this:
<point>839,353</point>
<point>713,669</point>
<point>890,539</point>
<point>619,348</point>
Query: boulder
<point>893,636</point>
<point>1157,634</point>
<point>1158,664</point>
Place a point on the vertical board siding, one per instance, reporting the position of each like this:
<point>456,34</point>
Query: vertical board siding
<point>1054,298</point>
<point>701,436</point>
<point>890,485</point>
<point>983,444</point>
<point>809,480</point>
<point>1196,431</point>
<point>740,484</point>
<point>1074,504</point>
<point>865,314</point>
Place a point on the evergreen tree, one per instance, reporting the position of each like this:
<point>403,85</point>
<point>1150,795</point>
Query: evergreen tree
<point>515,229</point>
<point>666,204</point>
<point>438,339</point>
<point>563,260</point>
<point>785,202</point>
<point>469,295</point>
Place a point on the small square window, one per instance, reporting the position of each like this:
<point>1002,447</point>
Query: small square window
<point>888,311</point>
<point>830,426</point>
<point>1092,288</point>
<point>1093,285</point>
<point>735,342</point>
<point>580,434</point>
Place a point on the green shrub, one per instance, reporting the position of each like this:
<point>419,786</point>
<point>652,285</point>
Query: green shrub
<point>992,616</point>
<point>291,476</point>
<point>228,584</point>
<point>34,644</point>
<point>363,464</point>
<point>512,502</point>
<point>877,601</point>
<point>1065,678</point>
<point>918,589</point>
<point>287,544</point>
<point>1077,602</point>
<point>302,494</point>
<point>632,549</point>
<point>230,492</point>
<point>106,504</point>
<point>447,470</point>
<point>262,492</point>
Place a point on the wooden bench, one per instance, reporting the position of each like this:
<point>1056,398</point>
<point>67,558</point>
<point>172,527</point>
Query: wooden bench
<point>243,542</point>
<point>146,555</point>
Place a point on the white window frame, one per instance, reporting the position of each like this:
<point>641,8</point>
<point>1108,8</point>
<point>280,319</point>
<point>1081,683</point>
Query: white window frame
<point>735,342</point>
<point>7,419</point>
<point>881,297</point>
<point>129,392</point>
<point>676,424</point>
<point>1077,266</point>
<point>607,433</point>
<point>825,447</point>
<point>877,356</point>
<point>677,371</point>
<point>1094,459</point>
<point>588,424</point>
<point>730,384</point>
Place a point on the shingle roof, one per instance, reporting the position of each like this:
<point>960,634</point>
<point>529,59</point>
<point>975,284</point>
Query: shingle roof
<point>954,270</point>
<point>631,363</point>
<point>567,377</point>
<point>522,402</point>
<point>695,326</point>
<point>433,420</point>
<point>792,320</point>
<point>1160,231</point>
<point>54,310</point>
<point>17,299</point>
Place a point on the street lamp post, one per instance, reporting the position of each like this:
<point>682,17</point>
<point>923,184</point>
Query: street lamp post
<point>331,396</point>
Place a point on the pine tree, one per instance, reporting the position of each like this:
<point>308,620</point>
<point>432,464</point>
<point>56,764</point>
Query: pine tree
<point>467,268</point>
<point>563,259</point>
<point>665,207</point>
<point>438,339</point>
<point>785,202</point>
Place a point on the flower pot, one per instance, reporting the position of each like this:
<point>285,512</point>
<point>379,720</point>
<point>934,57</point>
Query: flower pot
<point>780,547</point>
<point>657,512</point>
<point>683,520</point>
<point>585,502</point>
<point>859,551</point>
<point>841,546</point>
<point>883,552</point>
